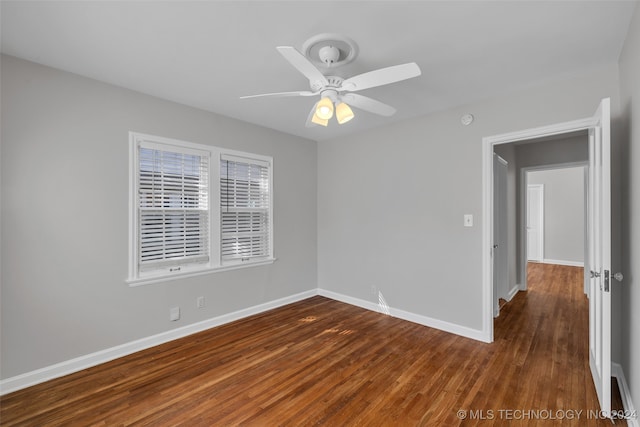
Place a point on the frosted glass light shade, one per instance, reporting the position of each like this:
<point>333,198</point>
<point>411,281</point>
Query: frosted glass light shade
<point>317,120</point>
<point>324,109</point>
<point>343,113</point>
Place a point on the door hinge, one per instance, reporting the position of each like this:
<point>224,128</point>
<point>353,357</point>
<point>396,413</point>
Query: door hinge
<point>606,280</point>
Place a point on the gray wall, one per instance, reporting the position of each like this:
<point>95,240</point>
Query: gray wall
<point>391,201</point>
<point>65,217</point>
<point>556,151</point>
<point>564,212</point>
<point>630,200</point>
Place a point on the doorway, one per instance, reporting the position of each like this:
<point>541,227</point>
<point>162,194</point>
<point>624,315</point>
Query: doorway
<point>556,214</point>
<point>598,236</point>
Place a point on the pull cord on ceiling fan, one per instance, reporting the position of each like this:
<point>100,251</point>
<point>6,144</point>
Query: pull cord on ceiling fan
<point>331,51</point>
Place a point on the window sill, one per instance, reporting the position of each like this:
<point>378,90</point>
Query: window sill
<point>199,272</point>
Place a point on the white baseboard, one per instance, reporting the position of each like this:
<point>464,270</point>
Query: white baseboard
<point>27,379</point>
<point>38,376</point>
<point>512,292</point>
<point>627,402</point>
<point>563,262</point>
<point>382,307</point>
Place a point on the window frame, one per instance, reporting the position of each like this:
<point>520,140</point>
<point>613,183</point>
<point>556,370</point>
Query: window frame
<point>137,277</point>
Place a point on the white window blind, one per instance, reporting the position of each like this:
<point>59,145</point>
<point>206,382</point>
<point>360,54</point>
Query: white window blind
<point>244,204</point>
<point>173,206</point>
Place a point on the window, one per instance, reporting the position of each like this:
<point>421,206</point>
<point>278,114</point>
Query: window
<point>196,209</point>
<point>245,201</point>
<point>173,211</point>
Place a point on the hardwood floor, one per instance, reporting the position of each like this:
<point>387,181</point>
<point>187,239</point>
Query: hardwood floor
<point>322,362</point>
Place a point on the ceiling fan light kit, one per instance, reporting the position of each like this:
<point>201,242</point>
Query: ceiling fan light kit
<point>330,51</point>
<point>343,113</point>
<point>324,109</point>
<point>317,120</point>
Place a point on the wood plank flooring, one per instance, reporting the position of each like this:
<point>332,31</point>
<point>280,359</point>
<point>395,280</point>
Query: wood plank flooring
<point>322,362</point>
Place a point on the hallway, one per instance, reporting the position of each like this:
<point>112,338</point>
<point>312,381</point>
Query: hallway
<point>551,320</point>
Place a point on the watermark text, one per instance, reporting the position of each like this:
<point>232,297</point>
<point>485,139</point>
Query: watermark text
<point>544,414</point>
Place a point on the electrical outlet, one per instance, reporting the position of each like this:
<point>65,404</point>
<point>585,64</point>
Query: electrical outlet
<point>174,313</point>
<point>200,302</point>
<point>468,220</point>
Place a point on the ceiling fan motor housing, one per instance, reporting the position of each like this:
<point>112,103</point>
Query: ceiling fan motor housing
<point>330,50</point>
<point>332,82</point>
<point>329,55</point>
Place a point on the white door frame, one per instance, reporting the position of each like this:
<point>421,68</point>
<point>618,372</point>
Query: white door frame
<point>527,211</point>
<point>500,241</point>
<point>487,202</point>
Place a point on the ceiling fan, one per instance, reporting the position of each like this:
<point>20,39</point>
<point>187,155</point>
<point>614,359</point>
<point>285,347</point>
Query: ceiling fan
<point>336,94</point>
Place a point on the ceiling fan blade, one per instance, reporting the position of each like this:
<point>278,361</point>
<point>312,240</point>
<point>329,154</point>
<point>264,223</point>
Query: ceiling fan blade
<point>381,77</point>
<point>281,94</point>
<point>302,64</point>
<point>368,104</point>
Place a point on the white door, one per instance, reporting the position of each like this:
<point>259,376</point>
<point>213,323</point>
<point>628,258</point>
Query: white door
<point>599,262</point>
<point>535,222</point>
<point>500,229</point>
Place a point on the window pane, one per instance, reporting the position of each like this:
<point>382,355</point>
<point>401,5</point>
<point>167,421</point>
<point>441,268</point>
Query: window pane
<point>173,194</point>
<point>245,202</point>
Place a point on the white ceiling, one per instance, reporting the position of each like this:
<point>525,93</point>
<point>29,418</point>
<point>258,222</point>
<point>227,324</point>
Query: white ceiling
<point>208,53</point>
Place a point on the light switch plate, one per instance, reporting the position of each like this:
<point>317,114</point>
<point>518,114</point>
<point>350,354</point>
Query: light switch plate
<point>174,313</point>
<point>468,220</point>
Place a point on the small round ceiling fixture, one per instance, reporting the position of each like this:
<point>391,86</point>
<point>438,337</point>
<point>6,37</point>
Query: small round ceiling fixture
<point>467,119</point>
<point>330,50</point>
